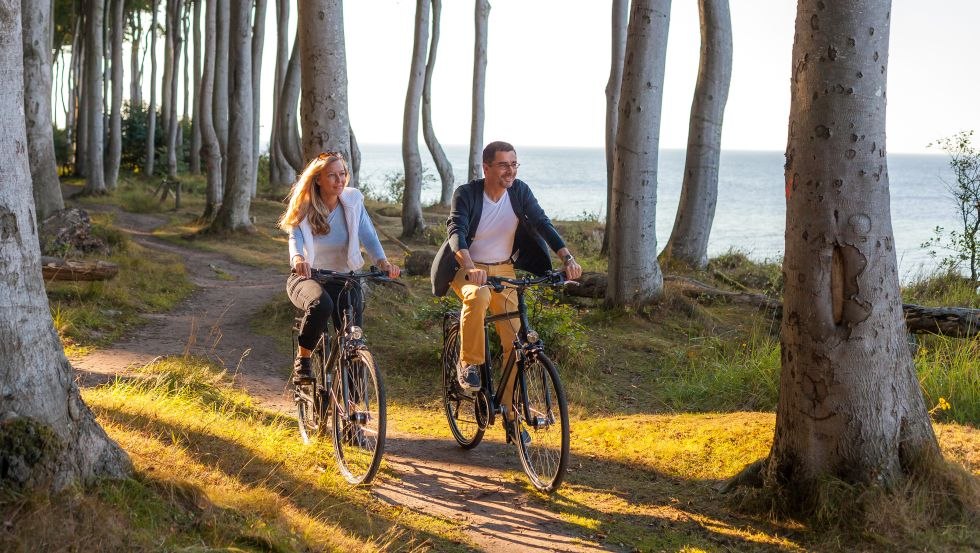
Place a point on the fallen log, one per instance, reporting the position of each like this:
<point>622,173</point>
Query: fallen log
<point>53,268</point>
<point>955,322</point>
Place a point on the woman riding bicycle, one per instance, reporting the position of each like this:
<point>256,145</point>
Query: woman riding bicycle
<point>327,224</point>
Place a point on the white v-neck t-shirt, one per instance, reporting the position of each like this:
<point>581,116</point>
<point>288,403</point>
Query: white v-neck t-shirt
<point>494,237</point>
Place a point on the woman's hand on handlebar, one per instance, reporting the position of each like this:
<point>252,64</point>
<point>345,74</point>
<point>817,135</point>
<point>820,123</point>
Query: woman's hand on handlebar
<point>301,267</point>
<point>390,268</point>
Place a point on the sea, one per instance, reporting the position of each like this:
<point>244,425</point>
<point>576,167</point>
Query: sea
<point>570,183</point>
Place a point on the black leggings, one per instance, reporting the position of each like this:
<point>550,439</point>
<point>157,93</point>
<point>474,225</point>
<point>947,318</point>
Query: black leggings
<point>320,303</point>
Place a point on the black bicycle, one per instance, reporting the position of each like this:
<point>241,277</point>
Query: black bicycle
<point>539,425</point>
<point>347,386</point>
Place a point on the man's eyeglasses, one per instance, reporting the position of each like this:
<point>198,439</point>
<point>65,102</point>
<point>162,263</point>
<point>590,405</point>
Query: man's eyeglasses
<point>504,165</point>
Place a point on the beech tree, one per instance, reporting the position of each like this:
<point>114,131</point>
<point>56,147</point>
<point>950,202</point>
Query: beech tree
<point>620,18</point>
<point>850,406</point>
<point>95,179</point>
<point>323,66</point>
<point>280,172</point>
<point>219,98</point>
<point>170,114</point>
<point>115,117</point>
<point>37,108</point>
<point>258,41</point>
<point>151,109</point>
<point>233,215</point>
<point>443,166</point>
<point>56,440</point>
<point>481,15</point>
<point>288,129</point>
<point>196,138</point>
<point>688,243</point>
<point>413,223</point>
<point>634,274</point>
<point>210,149</point>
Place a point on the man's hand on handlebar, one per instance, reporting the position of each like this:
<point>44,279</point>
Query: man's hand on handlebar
<point>476,276</point>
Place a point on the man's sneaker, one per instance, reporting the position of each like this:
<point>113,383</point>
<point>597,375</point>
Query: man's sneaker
<point>525,437</point>
<point>301,371</point>
<point>468,377</point>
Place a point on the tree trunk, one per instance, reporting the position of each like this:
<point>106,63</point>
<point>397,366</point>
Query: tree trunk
<point>289,141</point>
<point>688,243</point>
<point>168,68</point>
<point>219,108</point>
<point>210,149</point>
<point>620,18</point>
<point>258,41</point>
<point>482,17</point>
<point>443,166</point>
<point>849,405</point>
<point>81,120</point>
<point>195,154</point>
<point>634,275</point>
<point>173,28</point>
<point>135,68</point>
<point>323,108</point>
<point>280,172</point>
<point>95,181</point>
<point>233,214</point>
<point>56,440</point>
<point>412,222</point>
<point>37,108</point>
<point>74,94</point>
<point>115,117</point>
<point>151,110</point>
<point>355,161</point>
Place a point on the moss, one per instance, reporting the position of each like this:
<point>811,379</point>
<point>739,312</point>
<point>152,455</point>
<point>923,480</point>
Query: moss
<point>26,445</point>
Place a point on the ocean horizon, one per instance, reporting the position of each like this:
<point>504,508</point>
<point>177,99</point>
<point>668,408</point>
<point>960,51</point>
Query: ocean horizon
<point>570,184</point>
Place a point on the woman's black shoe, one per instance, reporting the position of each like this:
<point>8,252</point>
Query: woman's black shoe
<point>301,371</point>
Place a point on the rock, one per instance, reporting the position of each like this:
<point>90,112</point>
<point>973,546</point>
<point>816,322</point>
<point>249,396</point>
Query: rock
<point>69,232</point>
<point>418,262</point>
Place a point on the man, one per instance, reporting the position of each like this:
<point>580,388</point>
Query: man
<point>495,225</point>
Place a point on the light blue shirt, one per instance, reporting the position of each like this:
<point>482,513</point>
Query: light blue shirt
<point>330,250</point>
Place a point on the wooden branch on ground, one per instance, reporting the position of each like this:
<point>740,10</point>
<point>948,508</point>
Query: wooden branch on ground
<point>955,322</point>
<point>54,268</point>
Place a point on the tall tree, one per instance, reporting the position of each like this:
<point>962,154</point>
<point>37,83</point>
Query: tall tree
<point>233,214</point>
<point>620,18</point>
<point>78,69</point>
<point>176,41</point>
<point>169,74</point>
<point>289,141</point>
<point>151,109</point>
<point>115,117</point>
<point>323,107</point>
<point>413,224</point>
<point>850,406</point>
<point>258,41</point>
<point>280,173</point>
<point>37,107</point>
<point>443,166</point>
<point>210,149</point>
<point>95,180</point>
<point>135,67</point>
<point>219,108</point>
<point>688,243</point>
<point>60,441</point>
<point>481,14</point>
<point>634,274</point>
<point>195,154</point>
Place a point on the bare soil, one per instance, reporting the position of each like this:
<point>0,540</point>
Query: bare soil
<point>476,488</point>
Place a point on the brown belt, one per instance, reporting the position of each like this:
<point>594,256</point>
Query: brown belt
<point>504,262</point>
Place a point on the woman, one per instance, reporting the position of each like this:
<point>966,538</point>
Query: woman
<point>327,224</point>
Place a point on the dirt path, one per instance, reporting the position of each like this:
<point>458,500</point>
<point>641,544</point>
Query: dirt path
<point>431,475</point>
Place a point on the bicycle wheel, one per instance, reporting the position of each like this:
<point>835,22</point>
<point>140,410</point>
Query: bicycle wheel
<point>311,399</point>
<point>541,423</point>
<point>359,417</point>
<point>461,409</point>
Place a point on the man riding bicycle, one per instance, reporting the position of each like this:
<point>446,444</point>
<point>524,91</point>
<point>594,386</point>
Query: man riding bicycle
<point>495,225</point>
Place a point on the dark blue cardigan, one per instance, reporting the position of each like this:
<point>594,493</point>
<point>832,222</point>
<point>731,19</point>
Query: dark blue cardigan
<point>535,233</point>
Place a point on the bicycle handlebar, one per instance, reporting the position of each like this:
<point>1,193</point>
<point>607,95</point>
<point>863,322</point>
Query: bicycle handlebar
<point>551,278</point>
<point>373,273</point>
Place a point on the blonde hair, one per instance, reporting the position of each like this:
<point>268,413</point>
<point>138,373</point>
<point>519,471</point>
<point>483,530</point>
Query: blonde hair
<point>304,196</point>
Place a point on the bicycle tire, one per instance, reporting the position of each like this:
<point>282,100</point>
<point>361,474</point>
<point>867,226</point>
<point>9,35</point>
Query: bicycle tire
<point>311,399</point>
<point>360,423</point>
<point>539,395</point>
<point>461,409</point>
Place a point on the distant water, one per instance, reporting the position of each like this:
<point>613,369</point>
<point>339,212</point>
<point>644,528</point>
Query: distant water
<point>570,183</point>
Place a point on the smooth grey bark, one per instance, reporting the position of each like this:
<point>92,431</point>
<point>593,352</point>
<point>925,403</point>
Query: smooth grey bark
<point>219,108</point>
<point>614,85</point>
<point>233,214</point>
<point>151,109</point>
<point>210,148</point>
<point>634,274</point>
<point>413,224</point>
<point>114,153</point>
<point>481,15</point>
<point>258,42</point>
<point>135,67</point>
<point>289,141</point>
<point>323,105</point>
<point>850,405</point>
<point>195,153</point>
<point>355,160</point>
<point>176,41</point>
<point>72,125</point>
<point>95,180</point>
<point>169,74</point>
<point>443,166</point>
<point>46,187</point>
<point>280,172</point>
<point>688,242</point>
<point>81,120</point>
<point>39,400</point>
